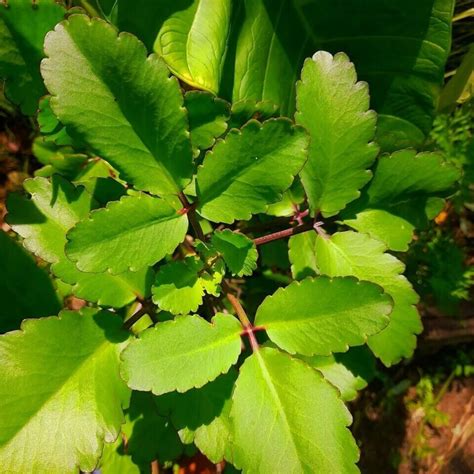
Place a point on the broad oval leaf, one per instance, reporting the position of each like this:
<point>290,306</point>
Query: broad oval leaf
<point>250,169</point>
<point>181,354</point>
<point>350,253</point>
<point>193,39</point>
<point>122,103</point>
<point>334,109</point>
<point>323,315</point>
<point>287,418</point>
<point>53,374</point>
<point>23,26</point>
<point>129,234</point>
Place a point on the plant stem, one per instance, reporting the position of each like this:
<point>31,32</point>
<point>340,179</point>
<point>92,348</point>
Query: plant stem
<point>282,234</point>
<point>136,316</point>
<point>191,211</point>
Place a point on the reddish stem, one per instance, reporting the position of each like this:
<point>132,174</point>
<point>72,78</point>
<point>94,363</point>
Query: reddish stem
<point>190,209</point>
<point>283,233</point>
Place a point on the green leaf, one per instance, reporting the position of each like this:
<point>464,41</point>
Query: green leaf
<point>23,26</point>
<point>287,418</point>
<point>398,198</point>
<point>193,39</point>
<point>55,206</point>
<point>128,234</point>
<point>349,372</point>
<point>178,287</point>
<point>292,198</point>
<point>53,375</point>
<point>122,104</point>
<point>350,253</point>
<point>234,183</point>
<point>181,354</point>
<point>302,254</point>
<point>208,117</point>
<point>25,289</point>
<point>203,415</point>
<point>322,315</point>
<point>114,460</point>
<point>245,110</point>
<point>334,109</point>
<point>150,436</point>
<point>238,251</point>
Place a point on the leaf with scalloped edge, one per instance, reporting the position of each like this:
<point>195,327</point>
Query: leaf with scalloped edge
<point>202,415</point>
<point>208,118</point>
<point>354,254</point>
<point>54,371</point>
<point>193,39</point>
<point>43,221</point>
<point>181,354</point>
<point>234,181</point>
<point>120,102</point>
<point>238,251</point>
<point>129,234</point>
<point>178,287</point>
<point>399,197</point>
<point>319,316</point>
<point>287,418</point>
<point>334,108</point>
<point>23,26</point>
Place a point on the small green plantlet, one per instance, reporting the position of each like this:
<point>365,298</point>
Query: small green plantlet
<point>231,242</point>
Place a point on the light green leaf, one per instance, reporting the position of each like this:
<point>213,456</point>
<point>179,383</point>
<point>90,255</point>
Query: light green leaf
<point>234,182</point>
<point>23,26</point>
<point>127,235</point>
<point>122,104</point>
<point>53,375</point>
<point>193,40</point>
<point>292,198</point>
<point>287,418</point>
<point>322,315</point>
<point>350,253</point>
<point>25,289</point>
<point>114,460</point>
<point>208,117</point>
<point>182,354</point>
<point>150,436</point>
<point>349,372</point>
<point>398,198</point>
<point>238,251</point>
<point>178,287</point>
<point>56,206</point>
<point>334,109</point>
<point>302,254</point>
<point>203,415</point>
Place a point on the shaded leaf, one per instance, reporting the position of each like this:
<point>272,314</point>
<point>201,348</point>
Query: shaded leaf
<point>182,354</point>
<point>334,109</point>
<point>234,182</point>
<point>143,122</point>
<point>302,255</point>
<point>323,315</point>
<point>281,402</point>
<point>53,374</point>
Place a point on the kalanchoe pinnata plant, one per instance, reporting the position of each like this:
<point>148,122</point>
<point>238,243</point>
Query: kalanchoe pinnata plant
<point>164,209</point>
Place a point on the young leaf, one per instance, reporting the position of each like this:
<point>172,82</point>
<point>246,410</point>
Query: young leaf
<point>193,41</point>
<point>23,26</point>
<point>353,254</point>
<point>250,169</point>
<point>287,418</point>
<point>208,117</point>
<point>348,372</point>
<point>121,103</point>
<point>237,250</point>
<point>398,198</point>
<point>203,415</point>
<point>127,235</point>
<point>53,375</point>
<point>302,255</point>
<point>322,315</point>
<point>178,287</point>
<point>334,109</point>
<point>181,354</point>
<point>43,221</point>
<point>26,291</point>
